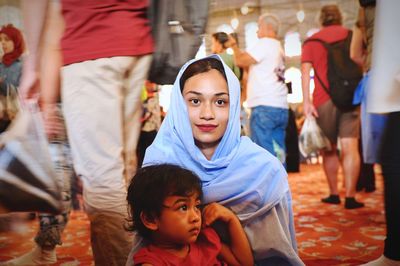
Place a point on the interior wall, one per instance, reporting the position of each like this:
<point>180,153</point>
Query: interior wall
<point>222,11</point>
<point>10,12</point>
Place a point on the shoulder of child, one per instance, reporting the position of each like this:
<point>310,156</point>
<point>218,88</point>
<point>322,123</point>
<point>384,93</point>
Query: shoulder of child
<point>145,257</point>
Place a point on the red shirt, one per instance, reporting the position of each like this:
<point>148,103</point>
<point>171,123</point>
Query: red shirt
<point>315,53</point>
<point>107,28</point>
<point>203,252</point>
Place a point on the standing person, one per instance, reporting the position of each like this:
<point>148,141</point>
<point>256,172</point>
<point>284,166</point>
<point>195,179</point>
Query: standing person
<point>384,97</point>
<point>13,46</point>
<point>151,119</point>
<point>51,226</point>
<point>166,208</point>
<point>372,125</point>
<point>201,132</point>
<point>106,50</point>
<point>219,41</point>
<point>333,122</point>
<point>266,89</point>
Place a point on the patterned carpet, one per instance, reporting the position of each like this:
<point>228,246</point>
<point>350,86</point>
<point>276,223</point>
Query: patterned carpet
<point>326,234</point>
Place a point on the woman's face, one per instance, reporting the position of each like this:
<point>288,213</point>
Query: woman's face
<point>207,99</point>
<point>216,46</point>
<point>6,43</point>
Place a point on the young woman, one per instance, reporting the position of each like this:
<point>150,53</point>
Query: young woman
<point>12,44</point>
<point>201,132</point>
<point>218,46</point>
<point>165,204</point>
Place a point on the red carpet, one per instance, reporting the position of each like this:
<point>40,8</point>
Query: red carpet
<point>326,234</point>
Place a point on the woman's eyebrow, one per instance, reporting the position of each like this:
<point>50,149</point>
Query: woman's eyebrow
<point>193,92</point>
<point>217,94</point>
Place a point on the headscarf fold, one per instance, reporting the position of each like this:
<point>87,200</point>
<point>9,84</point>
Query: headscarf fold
<point>16,36</point>
<point>240,175</point>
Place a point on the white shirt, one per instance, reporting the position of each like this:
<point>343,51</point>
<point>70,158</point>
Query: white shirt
<point>264,86</point>
<point>383,94</point>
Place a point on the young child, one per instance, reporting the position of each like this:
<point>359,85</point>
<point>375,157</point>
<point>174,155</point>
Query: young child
<point>165,206</point>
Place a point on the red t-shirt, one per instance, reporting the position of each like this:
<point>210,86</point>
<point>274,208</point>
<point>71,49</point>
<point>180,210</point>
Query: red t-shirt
<point>315,53</point>
<point>97,29</point>
<point>203,252</point>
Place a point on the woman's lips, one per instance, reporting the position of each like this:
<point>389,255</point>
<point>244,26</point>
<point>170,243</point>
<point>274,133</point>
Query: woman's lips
<point>206,128</point>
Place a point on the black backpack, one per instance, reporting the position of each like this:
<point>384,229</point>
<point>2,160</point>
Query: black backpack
<point>343,73</point>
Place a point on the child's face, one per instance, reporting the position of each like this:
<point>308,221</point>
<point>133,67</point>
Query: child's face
<point>6,43</point>
<point>207,99</point>
<point>180,220</point>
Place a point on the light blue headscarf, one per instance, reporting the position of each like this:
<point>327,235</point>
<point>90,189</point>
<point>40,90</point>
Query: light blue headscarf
<point>240,175</point>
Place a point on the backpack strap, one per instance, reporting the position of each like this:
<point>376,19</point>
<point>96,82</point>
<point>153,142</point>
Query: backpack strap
<point>326,45</point>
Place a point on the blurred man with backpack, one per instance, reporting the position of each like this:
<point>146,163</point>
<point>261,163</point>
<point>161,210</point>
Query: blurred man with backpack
<point>336,117</point>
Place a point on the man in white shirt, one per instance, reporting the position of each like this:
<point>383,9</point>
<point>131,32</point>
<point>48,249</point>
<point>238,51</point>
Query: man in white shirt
<point>266,89</point>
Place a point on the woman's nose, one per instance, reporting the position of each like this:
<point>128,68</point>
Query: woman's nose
<point>207,112</point>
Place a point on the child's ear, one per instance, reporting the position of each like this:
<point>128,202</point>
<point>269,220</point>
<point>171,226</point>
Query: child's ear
<point>149,221</point>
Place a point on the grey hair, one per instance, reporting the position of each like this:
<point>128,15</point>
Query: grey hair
<point>272,20</point>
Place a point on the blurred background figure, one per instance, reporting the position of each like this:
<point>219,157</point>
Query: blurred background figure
<point>219,41</point>
<point>266,91</point>
<point>151,119</point>
<point>101,82</point>
<point>12,44</point>
<point>372,125</point>
<point>334,122</point>
<point>51,226</point>
<point>384,97</point>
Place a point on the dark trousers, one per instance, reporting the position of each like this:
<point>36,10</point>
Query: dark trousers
<point>366,178</point>
<point>145,140</point>
<point>390,161</point>
<point>292,145</point>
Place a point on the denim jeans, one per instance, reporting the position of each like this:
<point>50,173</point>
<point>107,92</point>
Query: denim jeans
<point>267,126</point>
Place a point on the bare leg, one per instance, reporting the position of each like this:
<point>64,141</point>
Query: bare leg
<point>351,170</point>
<point>331,164</point>
<point>351,164</point>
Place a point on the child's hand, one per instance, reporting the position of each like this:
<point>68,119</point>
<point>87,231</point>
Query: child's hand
<point>215,211</point>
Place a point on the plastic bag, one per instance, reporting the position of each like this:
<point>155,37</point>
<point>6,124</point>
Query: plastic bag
<point>27,178</point>
<point>311,138</point>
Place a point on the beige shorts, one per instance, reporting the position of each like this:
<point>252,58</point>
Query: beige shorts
<point>335,123</point>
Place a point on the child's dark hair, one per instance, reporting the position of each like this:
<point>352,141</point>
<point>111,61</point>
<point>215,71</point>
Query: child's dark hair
<point>151,185</point>
<point>202,66</point>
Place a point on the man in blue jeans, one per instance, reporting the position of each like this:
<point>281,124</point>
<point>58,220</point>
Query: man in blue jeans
<point>266,89</point>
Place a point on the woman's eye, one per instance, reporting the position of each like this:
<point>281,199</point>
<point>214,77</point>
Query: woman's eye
<point>195,101</point>
<point>220,102</point>
<point>199,206</point>
<point>183,208</point>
